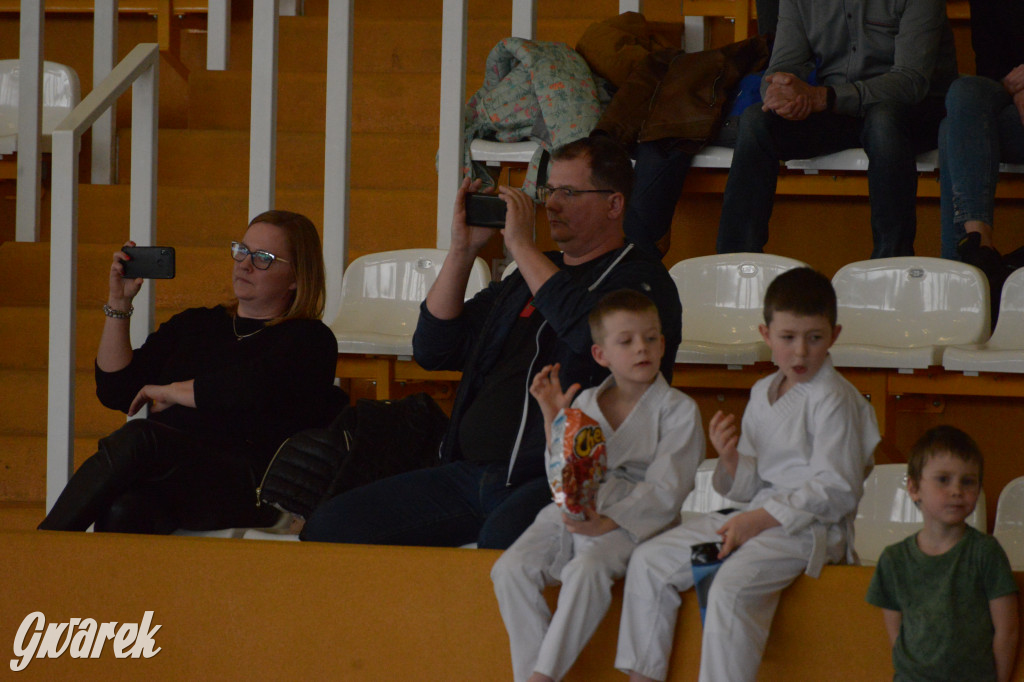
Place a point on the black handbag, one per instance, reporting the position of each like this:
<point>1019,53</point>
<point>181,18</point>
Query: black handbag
<point>366,442</point>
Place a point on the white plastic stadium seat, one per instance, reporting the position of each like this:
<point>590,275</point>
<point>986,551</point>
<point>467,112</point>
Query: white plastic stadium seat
<point>886,513</point>
<point>509,269</point>
<point>713,157</point>
<point>381,295</point>
<point>61,93</point>
<point>903,312</point>
<point>281,530</point>
<point>723,300</point>
<point>1004,352</point>
<point>855,160</point>
<point>1009,526</point>
<point>703,499</point>
<point>495,153</point>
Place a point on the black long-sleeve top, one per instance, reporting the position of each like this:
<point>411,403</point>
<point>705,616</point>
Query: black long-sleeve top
<point>997,36</point>
<point>251,393</point>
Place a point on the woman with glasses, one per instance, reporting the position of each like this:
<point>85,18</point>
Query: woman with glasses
<point>225,387</point>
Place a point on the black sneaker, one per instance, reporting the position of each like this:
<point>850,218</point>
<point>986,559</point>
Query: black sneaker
<point>988,260</point>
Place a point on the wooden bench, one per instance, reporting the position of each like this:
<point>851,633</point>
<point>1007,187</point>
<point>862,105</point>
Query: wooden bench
<point>245,609</point>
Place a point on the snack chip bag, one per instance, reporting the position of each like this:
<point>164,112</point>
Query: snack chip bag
<point>578,464</point>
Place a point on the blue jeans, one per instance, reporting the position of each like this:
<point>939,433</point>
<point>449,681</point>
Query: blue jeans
<point>660,171</point>
<point>447,506</point>
<point>982,128</point>
<point>891,134</point>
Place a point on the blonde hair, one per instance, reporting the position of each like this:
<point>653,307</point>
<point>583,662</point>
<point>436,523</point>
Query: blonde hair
<point>307,261</point>
<point>622,300</point>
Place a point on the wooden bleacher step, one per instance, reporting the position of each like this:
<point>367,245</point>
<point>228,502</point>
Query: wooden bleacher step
<point>25,411</point>
<point>193,284</point>
<point>23,463</point>
<point>186,216</point>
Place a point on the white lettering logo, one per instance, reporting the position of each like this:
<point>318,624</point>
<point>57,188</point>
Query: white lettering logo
<point>83,638</point>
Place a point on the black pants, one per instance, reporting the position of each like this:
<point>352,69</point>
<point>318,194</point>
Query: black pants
<point>150,478</point>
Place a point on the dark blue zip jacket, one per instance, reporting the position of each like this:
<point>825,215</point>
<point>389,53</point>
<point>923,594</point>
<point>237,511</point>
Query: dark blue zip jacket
<point>472,342</point>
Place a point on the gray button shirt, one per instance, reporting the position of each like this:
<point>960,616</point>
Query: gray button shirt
<point>869,51</point>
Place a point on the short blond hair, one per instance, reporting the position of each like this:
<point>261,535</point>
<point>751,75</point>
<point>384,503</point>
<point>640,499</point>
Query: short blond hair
<point>628,300</point>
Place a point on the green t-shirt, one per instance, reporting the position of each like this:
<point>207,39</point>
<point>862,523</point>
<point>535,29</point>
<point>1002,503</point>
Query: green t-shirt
<point>946,631</point>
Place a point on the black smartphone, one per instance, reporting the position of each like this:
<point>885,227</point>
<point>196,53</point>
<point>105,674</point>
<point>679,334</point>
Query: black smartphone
<point>485,210</point>
<point>152,262</point>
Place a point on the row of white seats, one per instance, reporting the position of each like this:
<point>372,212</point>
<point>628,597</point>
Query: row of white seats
<point>886,514</point>
<point>496,153</point>
<point>898,313</point>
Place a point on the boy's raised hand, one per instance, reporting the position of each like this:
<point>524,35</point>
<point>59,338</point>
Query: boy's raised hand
<point>547,390</point>
<point>724,437</point>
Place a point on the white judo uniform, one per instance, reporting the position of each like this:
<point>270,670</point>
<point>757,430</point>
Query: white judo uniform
<point>803,458</point>
<point>652,461</point>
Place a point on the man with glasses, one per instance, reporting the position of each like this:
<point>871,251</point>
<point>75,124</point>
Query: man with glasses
<point>492,481</point>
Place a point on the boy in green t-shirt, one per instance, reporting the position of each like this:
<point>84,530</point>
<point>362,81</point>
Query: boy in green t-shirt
<point>948,596</point>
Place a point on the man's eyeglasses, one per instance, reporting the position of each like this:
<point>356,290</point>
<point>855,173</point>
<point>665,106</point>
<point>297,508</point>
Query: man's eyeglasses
<point>545,192</point>
<point>261,260</point>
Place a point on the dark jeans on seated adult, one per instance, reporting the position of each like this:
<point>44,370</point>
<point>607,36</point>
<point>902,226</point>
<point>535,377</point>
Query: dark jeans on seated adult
<point>446,506</point>
<point>891,134</point>
<point>767,16</point>
<point>147,477</point>
<point>660,171</point>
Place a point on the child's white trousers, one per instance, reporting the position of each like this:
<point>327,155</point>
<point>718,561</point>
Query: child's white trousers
<point>741,602</point>
<point>546,554</point>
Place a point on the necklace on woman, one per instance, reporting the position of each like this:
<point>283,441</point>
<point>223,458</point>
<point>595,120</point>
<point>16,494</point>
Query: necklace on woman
<point>239,337</point>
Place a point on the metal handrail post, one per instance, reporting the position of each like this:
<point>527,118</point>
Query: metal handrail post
<point>337,150</point>
<point>218,35</point>
<point>451,129</point>
<point>263,107</point>
<point>140,64</point>
<point>104,56</point>
<point>30,120</point>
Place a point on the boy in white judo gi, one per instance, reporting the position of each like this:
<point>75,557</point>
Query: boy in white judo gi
<point>799,461</point>
<point>654,444</point>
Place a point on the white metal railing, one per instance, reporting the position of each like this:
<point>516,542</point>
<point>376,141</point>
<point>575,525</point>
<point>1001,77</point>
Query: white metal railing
<point>453,96</point>
<point>104,159</point>
<point>337,150</point>
<point>218,35</point>
<point>30,120</point>
<point>139,70</point>
<point>104,56</point>
<point>263,107</point>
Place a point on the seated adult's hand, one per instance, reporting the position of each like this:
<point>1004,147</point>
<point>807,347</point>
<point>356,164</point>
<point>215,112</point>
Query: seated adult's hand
<point>162,397</point>
<point>122,291</point>
<point>1018,101</point>
<point>790,97</point>
<point>520,219</point>
<point>1014,81</point>
<point>468,238</point>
